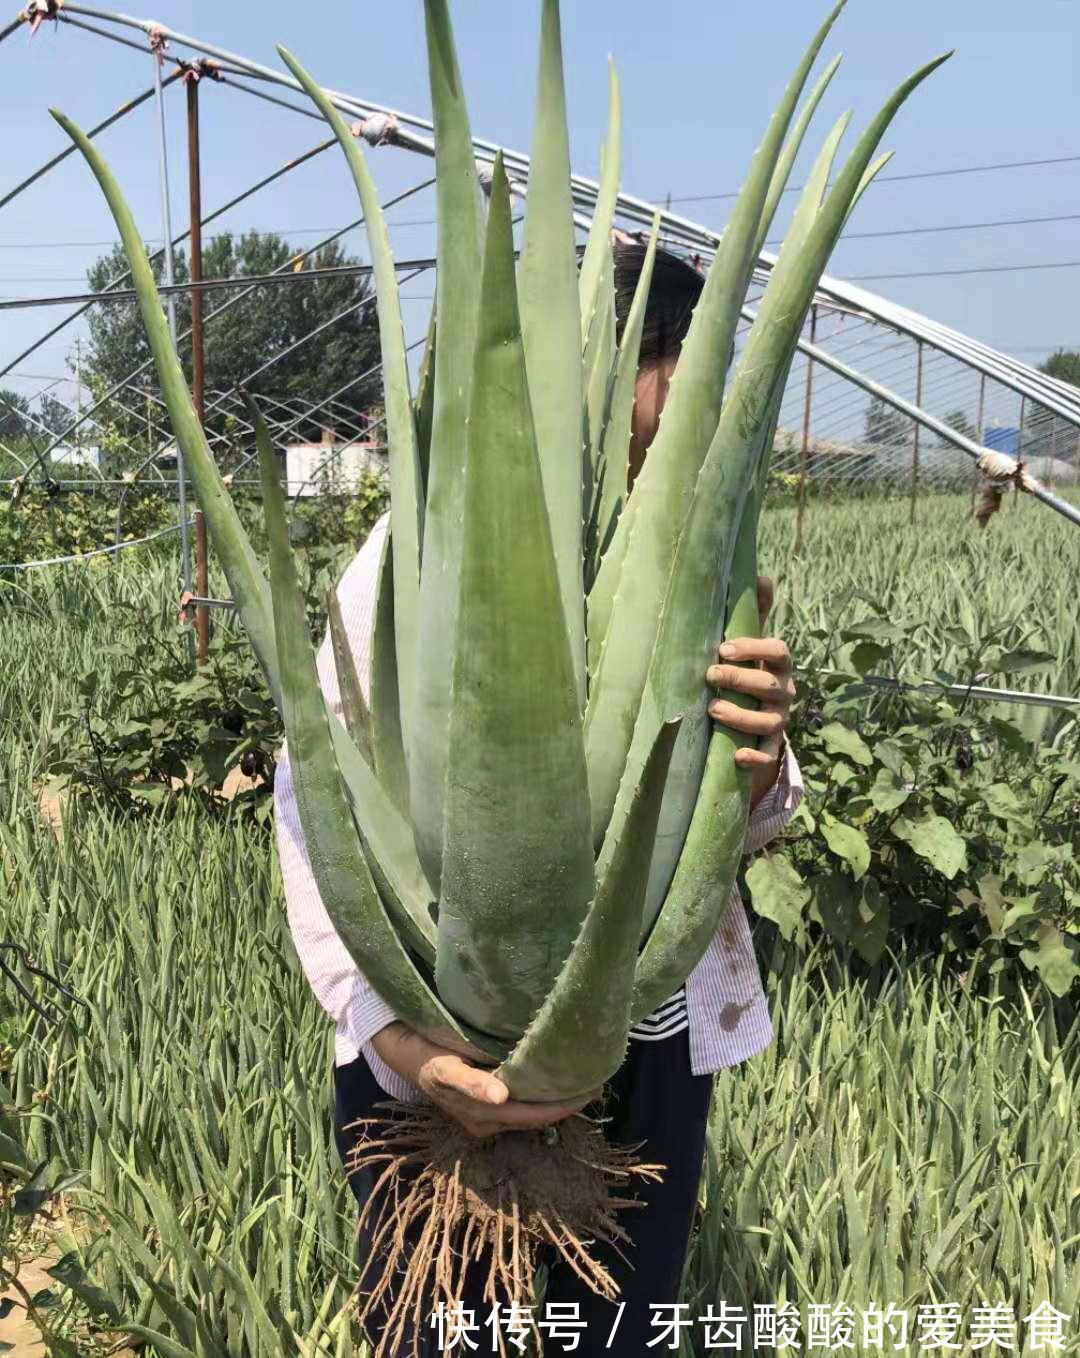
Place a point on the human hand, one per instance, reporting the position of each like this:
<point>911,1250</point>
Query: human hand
<point>756,667</point>
<point>475,1098</point>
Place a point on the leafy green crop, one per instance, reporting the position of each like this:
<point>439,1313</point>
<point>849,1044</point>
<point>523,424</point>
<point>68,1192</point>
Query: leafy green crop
<point>938,1111</point>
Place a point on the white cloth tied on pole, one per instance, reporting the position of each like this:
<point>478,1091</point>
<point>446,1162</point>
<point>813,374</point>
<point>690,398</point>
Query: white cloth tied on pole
<point>377,129</point>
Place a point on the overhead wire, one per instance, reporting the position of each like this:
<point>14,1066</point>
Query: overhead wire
<point>232,301</point>
<point>958,226</point>
<point>113,295</point>
<point>980,358</point>
<point>896,178</point>
<point>212,216</point>
<point>958,273</point>
<point>629,206</point>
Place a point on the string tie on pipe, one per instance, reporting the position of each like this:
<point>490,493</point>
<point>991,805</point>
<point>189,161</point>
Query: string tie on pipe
<point>484,173</point>
<point>159,44</point>
<point>377,129</point>
<point>37,11</point>
<point>194,71</point>
<point>1001,469</point>
<point>999,472</point>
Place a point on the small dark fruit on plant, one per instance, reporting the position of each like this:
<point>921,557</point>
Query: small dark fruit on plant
<point>965,757</point>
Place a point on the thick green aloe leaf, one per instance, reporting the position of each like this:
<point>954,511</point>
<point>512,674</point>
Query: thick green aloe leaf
<point>814,243</point>
<point>383,829</point>
<point>677,679</point>
<point>354,706</point>
<point>389,847</point>
<point>676,940</point>
<point>592,993</point>
<point>699,581</point>
<point>551,325</point>
<point>457,286</point>
<point>616,434</point>
<point>591,494</point>
<point>386,724</point>
<point>666,482</point>
<point>701,889</point>
<point>388,836</point>
<point>599,371</point>
<point>242,570</point>
<point>337,859</point>
<point>733,467</point>
<point>813,194</point>
<point>598,245</point>
<point>424,402</point>
<point>706,869</point>
<point>605,580</point>
<point>406,492</point>
<point>518,863</point>
<point>869,176</point>
<point>791,149</point>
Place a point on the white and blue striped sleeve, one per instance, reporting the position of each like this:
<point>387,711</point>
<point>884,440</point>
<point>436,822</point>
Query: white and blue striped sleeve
<point>778,805</point>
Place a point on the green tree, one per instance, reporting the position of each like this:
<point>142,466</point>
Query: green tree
<point>1045,435</point>
<point>960,421</point>
<point>1064,364</point>
<point>57,418</point>
<point>13,422</point>
<point>246,334</point>
<point>885,425</point>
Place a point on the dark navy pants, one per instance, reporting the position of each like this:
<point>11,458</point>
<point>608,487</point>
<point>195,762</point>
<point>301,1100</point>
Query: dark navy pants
<point>653,1099</point>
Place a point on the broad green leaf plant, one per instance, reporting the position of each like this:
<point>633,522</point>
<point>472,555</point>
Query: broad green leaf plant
<point>531,830</point>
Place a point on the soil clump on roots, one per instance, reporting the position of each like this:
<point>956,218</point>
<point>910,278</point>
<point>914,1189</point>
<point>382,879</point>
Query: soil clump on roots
<point>445,1203</point>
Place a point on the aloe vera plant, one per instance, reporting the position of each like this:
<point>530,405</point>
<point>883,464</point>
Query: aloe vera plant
<point>487,842</point>
<point>531,831</point>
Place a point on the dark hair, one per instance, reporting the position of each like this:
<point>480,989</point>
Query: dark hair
<point>673,294</point>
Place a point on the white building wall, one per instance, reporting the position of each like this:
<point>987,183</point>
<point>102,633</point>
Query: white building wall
<point>67,455</point>
<point>332,468</point>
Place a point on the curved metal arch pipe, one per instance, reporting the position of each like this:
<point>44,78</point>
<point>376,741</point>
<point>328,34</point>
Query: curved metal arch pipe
<point>1056,397</point>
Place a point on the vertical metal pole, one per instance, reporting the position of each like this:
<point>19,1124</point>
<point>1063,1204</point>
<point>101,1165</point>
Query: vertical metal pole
<point>1019,446</point>
<point>915,444</point>
<point>980,434</point>
<point>78,394</point>
<point>804,451</point>
<point>166,214</point>
<point>198,384</point>
<point>1053,450</point>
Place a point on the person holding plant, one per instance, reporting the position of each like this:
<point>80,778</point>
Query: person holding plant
<point>661,1095</point>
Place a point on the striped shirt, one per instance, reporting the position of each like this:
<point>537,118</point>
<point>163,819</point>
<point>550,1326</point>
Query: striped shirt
<point>669,1019</point>
<point>722,1004</point>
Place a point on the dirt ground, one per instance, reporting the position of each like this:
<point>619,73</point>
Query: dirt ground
<point>15,1328</point>
<point>51,806</point>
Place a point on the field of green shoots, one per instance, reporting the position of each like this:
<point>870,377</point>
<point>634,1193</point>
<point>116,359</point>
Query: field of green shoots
<point>905,1140</point>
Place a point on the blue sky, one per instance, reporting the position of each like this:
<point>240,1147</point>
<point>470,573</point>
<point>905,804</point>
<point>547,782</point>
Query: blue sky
<point>698,79</point>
